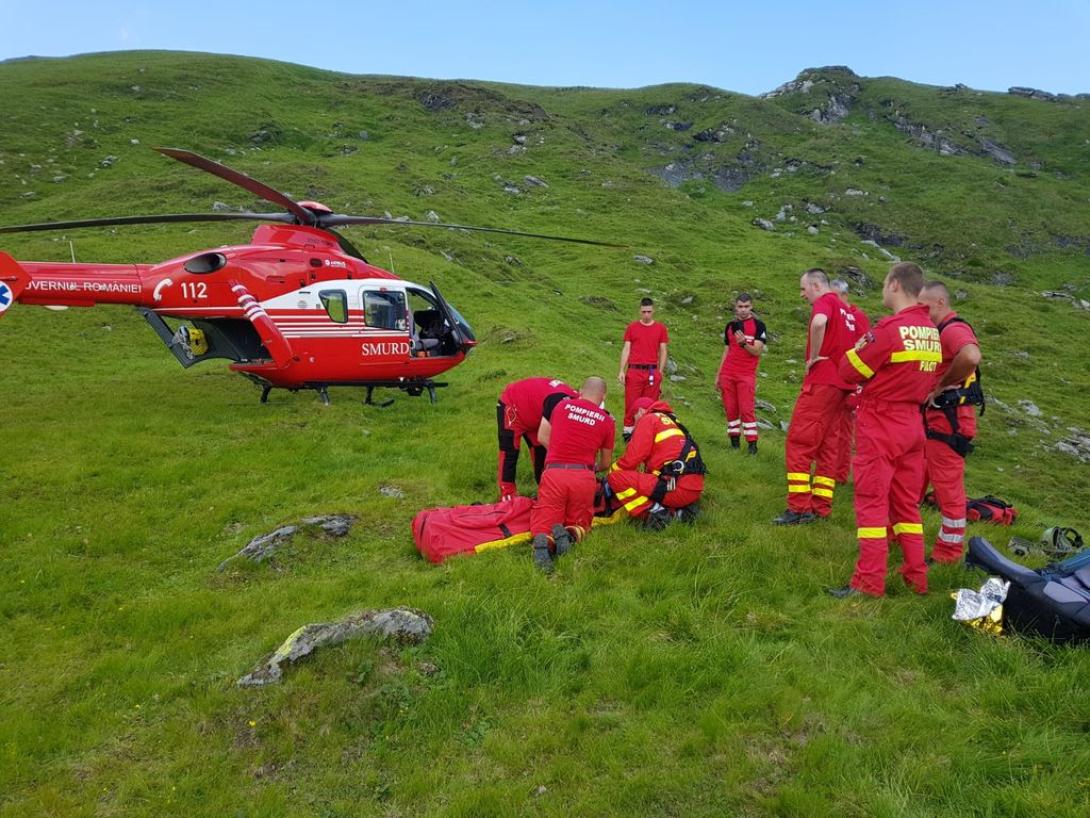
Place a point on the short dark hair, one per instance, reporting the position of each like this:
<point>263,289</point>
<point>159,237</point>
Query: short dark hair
<point>744,297</point>
<point>646,302</point>
<point>908,275</point>
<point>817,274</point>
<point>940,287</point>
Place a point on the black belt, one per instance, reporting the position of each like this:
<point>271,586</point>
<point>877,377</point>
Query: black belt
<point>569,466</point>
<point>643,366</point>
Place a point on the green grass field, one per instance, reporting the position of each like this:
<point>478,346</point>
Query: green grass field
<point>698,672</point>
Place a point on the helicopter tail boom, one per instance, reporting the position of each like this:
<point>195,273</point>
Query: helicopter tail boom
<point>77,285</point>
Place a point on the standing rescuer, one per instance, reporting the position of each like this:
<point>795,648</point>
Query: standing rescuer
<point>896,363</point>
<point>643,359</point>
<point>744,340</point>
<point>519,411</point>
<point>950,418</point>
<point>813,438</point>
<point>847,418</point>
<point>579,437</point>
<point>672,479</point>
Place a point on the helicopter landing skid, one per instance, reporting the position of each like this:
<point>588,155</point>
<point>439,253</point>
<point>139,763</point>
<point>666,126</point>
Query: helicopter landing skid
<point>414,388</point>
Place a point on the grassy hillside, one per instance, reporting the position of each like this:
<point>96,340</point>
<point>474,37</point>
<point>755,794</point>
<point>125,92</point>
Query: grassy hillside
<point>699,672</point>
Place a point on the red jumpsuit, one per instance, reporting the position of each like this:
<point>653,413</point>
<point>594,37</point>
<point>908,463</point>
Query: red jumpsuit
<point>814,434</point>
<point>896,365</point>
<point>656,441</point>
<point>738,377</point>
<point>566,495</point>
<point>847,419</point>
<point>642,379</point>
<point>521,407</point>
<point>945,468</point>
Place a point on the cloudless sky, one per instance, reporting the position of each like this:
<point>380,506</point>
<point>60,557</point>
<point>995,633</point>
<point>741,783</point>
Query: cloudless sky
<point>740,46</point>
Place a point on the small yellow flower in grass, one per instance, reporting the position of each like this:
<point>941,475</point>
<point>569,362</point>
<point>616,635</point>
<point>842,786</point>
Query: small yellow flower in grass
<point>253,723</point>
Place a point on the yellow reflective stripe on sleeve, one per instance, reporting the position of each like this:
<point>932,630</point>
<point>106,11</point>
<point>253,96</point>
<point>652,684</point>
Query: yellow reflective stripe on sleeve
<point>615,467</point>
<point>857,362</point>
<point>634,504</point>
<point>915,355</point>
<point>908,528</point>
<point>798,475</point>
<point>819,492</point>
<point>675,432</point>
<point>621,495</point>
<point>797,489</point>
<point>875,533</point>
<point>824,481</point>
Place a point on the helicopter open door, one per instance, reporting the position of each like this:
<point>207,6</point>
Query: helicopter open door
<point>461,332</point>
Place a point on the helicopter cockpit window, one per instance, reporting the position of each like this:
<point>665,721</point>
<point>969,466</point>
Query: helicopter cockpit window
<point>385,309</point>
<point>336,305</point>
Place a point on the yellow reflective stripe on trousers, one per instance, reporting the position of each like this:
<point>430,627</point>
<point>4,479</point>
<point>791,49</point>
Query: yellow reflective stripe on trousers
<point>857,362</point>
<point>661,436</point>
<point>872,533</point>
<point>824,481</point>
<point>632,504</point>
<point>908,528</point>
<point>797,489</point>
<point>798,475</point>
<point>818,492</point>
<point>915,355</point>
<point>625,493</point>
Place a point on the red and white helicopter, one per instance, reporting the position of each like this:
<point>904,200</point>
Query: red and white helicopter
<point>297,308</point>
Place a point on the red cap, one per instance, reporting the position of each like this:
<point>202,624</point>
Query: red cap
<point>642,403</point>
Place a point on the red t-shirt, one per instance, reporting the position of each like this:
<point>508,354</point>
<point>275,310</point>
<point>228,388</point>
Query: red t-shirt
<point>645,340</point>
<point>862,322</point>
<point>579,429</point>
<point>954,335</point>
<point>527,401</point>
<point>738,360</point>
<point>840,335</point>
<point>897,363</point>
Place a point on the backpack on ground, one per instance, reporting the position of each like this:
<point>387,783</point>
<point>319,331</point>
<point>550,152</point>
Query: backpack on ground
<point>990,509</point>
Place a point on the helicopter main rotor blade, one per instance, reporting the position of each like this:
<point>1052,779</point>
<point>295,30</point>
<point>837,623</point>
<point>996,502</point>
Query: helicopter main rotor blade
<point>339,220</point>
<point>302,215</point>
<point>165,218</point>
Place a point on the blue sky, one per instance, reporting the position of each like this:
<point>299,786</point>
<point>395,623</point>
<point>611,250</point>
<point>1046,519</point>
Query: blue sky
<point>749,47</point>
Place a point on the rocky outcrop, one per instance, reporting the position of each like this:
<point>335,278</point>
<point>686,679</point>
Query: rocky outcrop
<point>401,625</point>
<point>262,548</point>
<point>825,94</point>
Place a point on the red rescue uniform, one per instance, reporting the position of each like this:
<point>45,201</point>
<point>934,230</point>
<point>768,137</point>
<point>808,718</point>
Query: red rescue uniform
<point>521,407</point>
<point>813,438</point>
<point>847,417</point>
<point>896,366</point>
<point>642,378</point>
<point>566,495</point>
<point>656,441</point>
<point>945,468</point>
<point>738,377</point>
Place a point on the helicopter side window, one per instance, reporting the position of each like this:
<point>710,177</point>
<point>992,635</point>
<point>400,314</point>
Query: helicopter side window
<point>385,309</point>
<point>336,305</point>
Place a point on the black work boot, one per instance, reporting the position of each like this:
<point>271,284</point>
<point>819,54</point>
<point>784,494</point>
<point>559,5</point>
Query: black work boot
<point>542,558</point>
<point>657,518</point>
<point>687,514</point>
<point>790,517</point>
<point>735,441</point>
<point>562,539</point>
<point>752,447</point>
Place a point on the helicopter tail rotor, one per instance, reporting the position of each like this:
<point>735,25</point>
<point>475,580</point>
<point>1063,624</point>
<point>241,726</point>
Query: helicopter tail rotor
<point>13,280</point>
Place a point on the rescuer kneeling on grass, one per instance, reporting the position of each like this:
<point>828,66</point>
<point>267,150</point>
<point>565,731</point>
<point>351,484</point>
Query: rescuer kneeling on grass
<point>896,364</point>
<point>579,437</point>
<point>672,479</point>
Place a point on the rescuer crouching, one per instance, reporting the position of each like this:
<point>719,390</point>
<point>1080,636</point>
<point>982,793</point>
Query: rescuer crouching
<point>672,477</point>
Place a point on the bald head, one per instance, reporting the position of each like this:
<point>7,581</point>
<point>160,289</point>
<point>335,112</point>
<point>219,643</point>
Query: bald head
<point>937,298</point>
<point>593,389</point>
